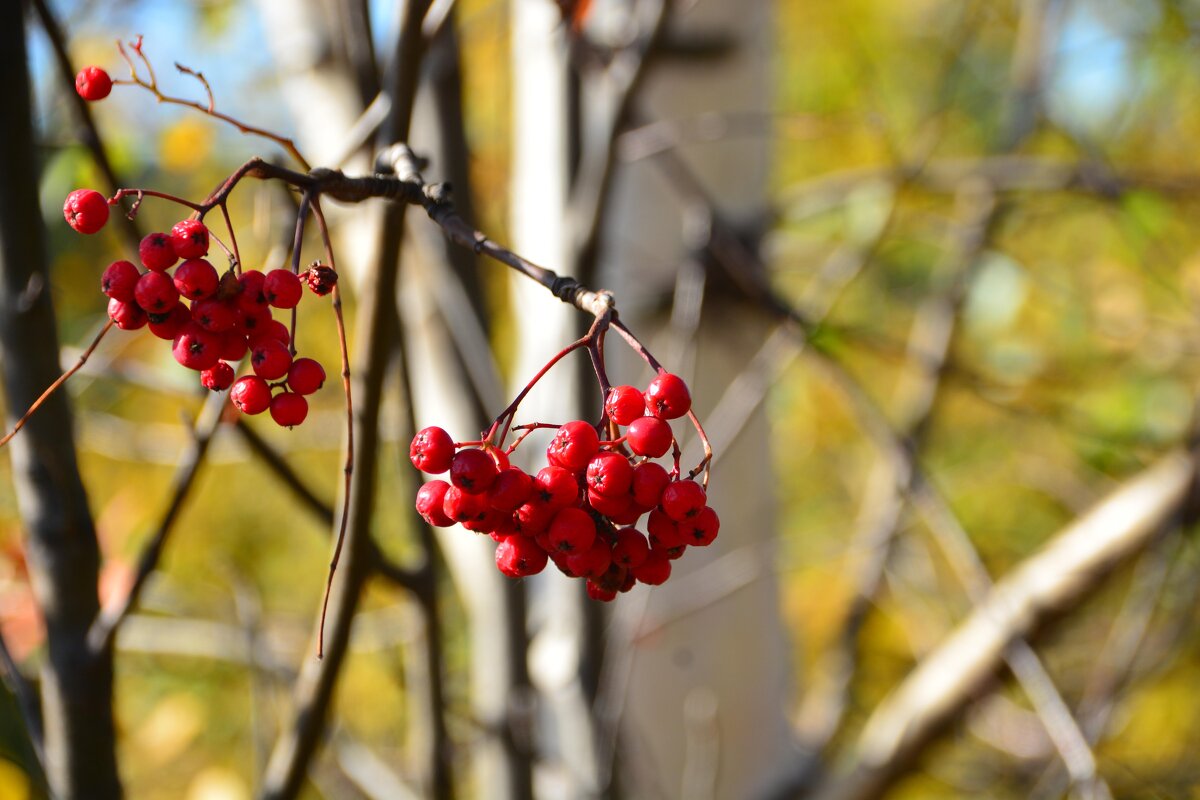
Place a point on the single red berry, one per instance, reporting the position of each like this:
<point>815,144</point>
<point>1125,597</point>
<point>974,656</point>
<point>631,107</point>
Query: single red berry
<point>305,376</point>
<point>611,506</point>
<point>511,489</point>
<point>288,409</point>
<point>667,396</point>
<point>155,292</point>
<point>170,324</point>
<point>320,279</point>
<point>233,346</point>
<point>613,579</point>
<point>649,480</point>
<point>598,592</point>
<point>196,279</point>
<point>250,394</point>
<point>572,529</point>
<point>664,531</point>
<point>654,570</point>
<point>649,436</point>
<point>431,449</point>
<point>534,516</point>
<point>253,324</point>
<point>274,329</point>
<point>282,288</point>
<point>270,358</point>
<point>609,474</point>
<point>573,444</point>
<point>489,522</point>
<point>214,315</point>
<point>119,280</point>
<point>627,516</point>
<point>556,486</point>
<point>472,470</point>
<point>189,238</point>
<point>700,530</point>
<point>631,548</point>
<point>194,347</point>
<point>519,556</point>
<point>591,563</point>
<point>430,498</point>
<point>217,377</point>
<point>251,298</point>
<point>156,252</point>
<point>683,500</point>
<point>86,210</point>
<point>93,83</point>
<point>126,316</point>
<point>463,507</point>
<point>624,404</point>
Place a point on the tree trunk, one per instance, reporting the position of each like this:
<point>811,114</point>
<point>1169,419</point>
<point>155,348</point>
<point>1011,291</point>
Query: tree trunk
<point>62,551</point>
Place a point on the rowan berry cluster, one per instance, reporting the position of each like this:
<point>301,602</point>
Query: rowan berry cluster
<point>212,320</point>
<point>581,510</point>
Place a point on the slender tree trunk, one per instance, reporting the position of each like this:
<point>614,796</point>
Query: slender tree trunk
<point>62,550</point>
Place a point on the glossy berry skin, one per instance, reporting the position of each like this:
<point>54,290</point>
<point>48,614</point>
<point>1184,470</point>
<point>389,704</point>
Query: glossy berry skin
<point>701,529</point>
<point>667,396</point>
<point>664,531</point>
<point>218,377</point>
<point>251,298</point>
<point>270,358</point>
<point>624,404</point>
<point>649,436</point>
<point>126,316</point>
<point>282,288</point>
<point>86,210</point>
<point>92,84</point>
<point>571,529</point>
<point>590,563</point>
<point>519,557</point>
<point>156,252</point>
<point>472,470</point>
<point>631,548</point>
<point>119,280</point>
<point>464,507</point>
<point>214,315</point>
<point>683,500</point>
<point>609,474</point>
<point>511,489</point>
<point>556,486</point>
<point>250,394</point>
<point>430,498</point>
<point>649,480</point>
<point>196,279</point>
<point>172,323</point>
<point>155,293</point>
<point>431,450</point>
<point>288,409</point>
<point>189,239</point>
<point>573,444</point>
<point>305,376</point>
<point>195,348</point>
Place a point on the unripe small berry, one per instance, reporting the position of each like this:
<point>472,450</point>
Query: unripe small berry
<point>196,279</point>
<point>93,83</point>
<point>189,238</point>
<point>288,409</point>
<point>126,316</point>
<point>250,394</point>
<point>156,252</point>
<point>119,280</point>
<point>217,377</point>
<point>431,450</point>
<point>667,396</point>
<point>305,376</point>
<point>86,210</point>
<point>282,288</point>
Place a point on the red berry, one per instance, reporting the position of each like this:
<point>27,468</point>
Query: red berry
<point>511,489</point>
<point>320,279</point>
<point>472,470</point>
<point>431,449</point>
<point>598,592</point>
<point>464,507</point>
<point>631,548</point>
<point>572,529</point>
<point>615,506</point>
<point>86,210</point>
<point>194,347</point>
<point>654,570</point>
<point>93,83</point>
<point>683,500</point>
<point>189,238</point>
<point>701,529</point>
<point>590,563</point>
<point>233,346</point>
<point>274,329</point>
<point>519,556</point>
<point>170,324</point>
<point>196,279</point>
<point>649,436</point>
<point>534,516</point>
<point>609,474</point>
<point>251,298</point>
<point>156,252</point>
<point>155,292</point>
<point>305,376</point>
<point>556,486</point>
<point>217,377</point>
<point>250,394</point>
<point>282,288</point>
<point>214,315</point>
<point>126,316</point>
<point>119,280</point>
<point>573,444</point>
<point>430,498</point>
<point>624,404</point>
<point>664,531</point>
<point>667,396</point>
<point>270,358</point>
<point>649,480</point>
<point>288,409</point>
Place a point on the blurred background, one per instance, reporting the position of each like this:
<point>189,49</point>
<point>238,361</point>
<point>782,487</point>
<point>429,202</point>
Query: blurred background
<point>928,268</point>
